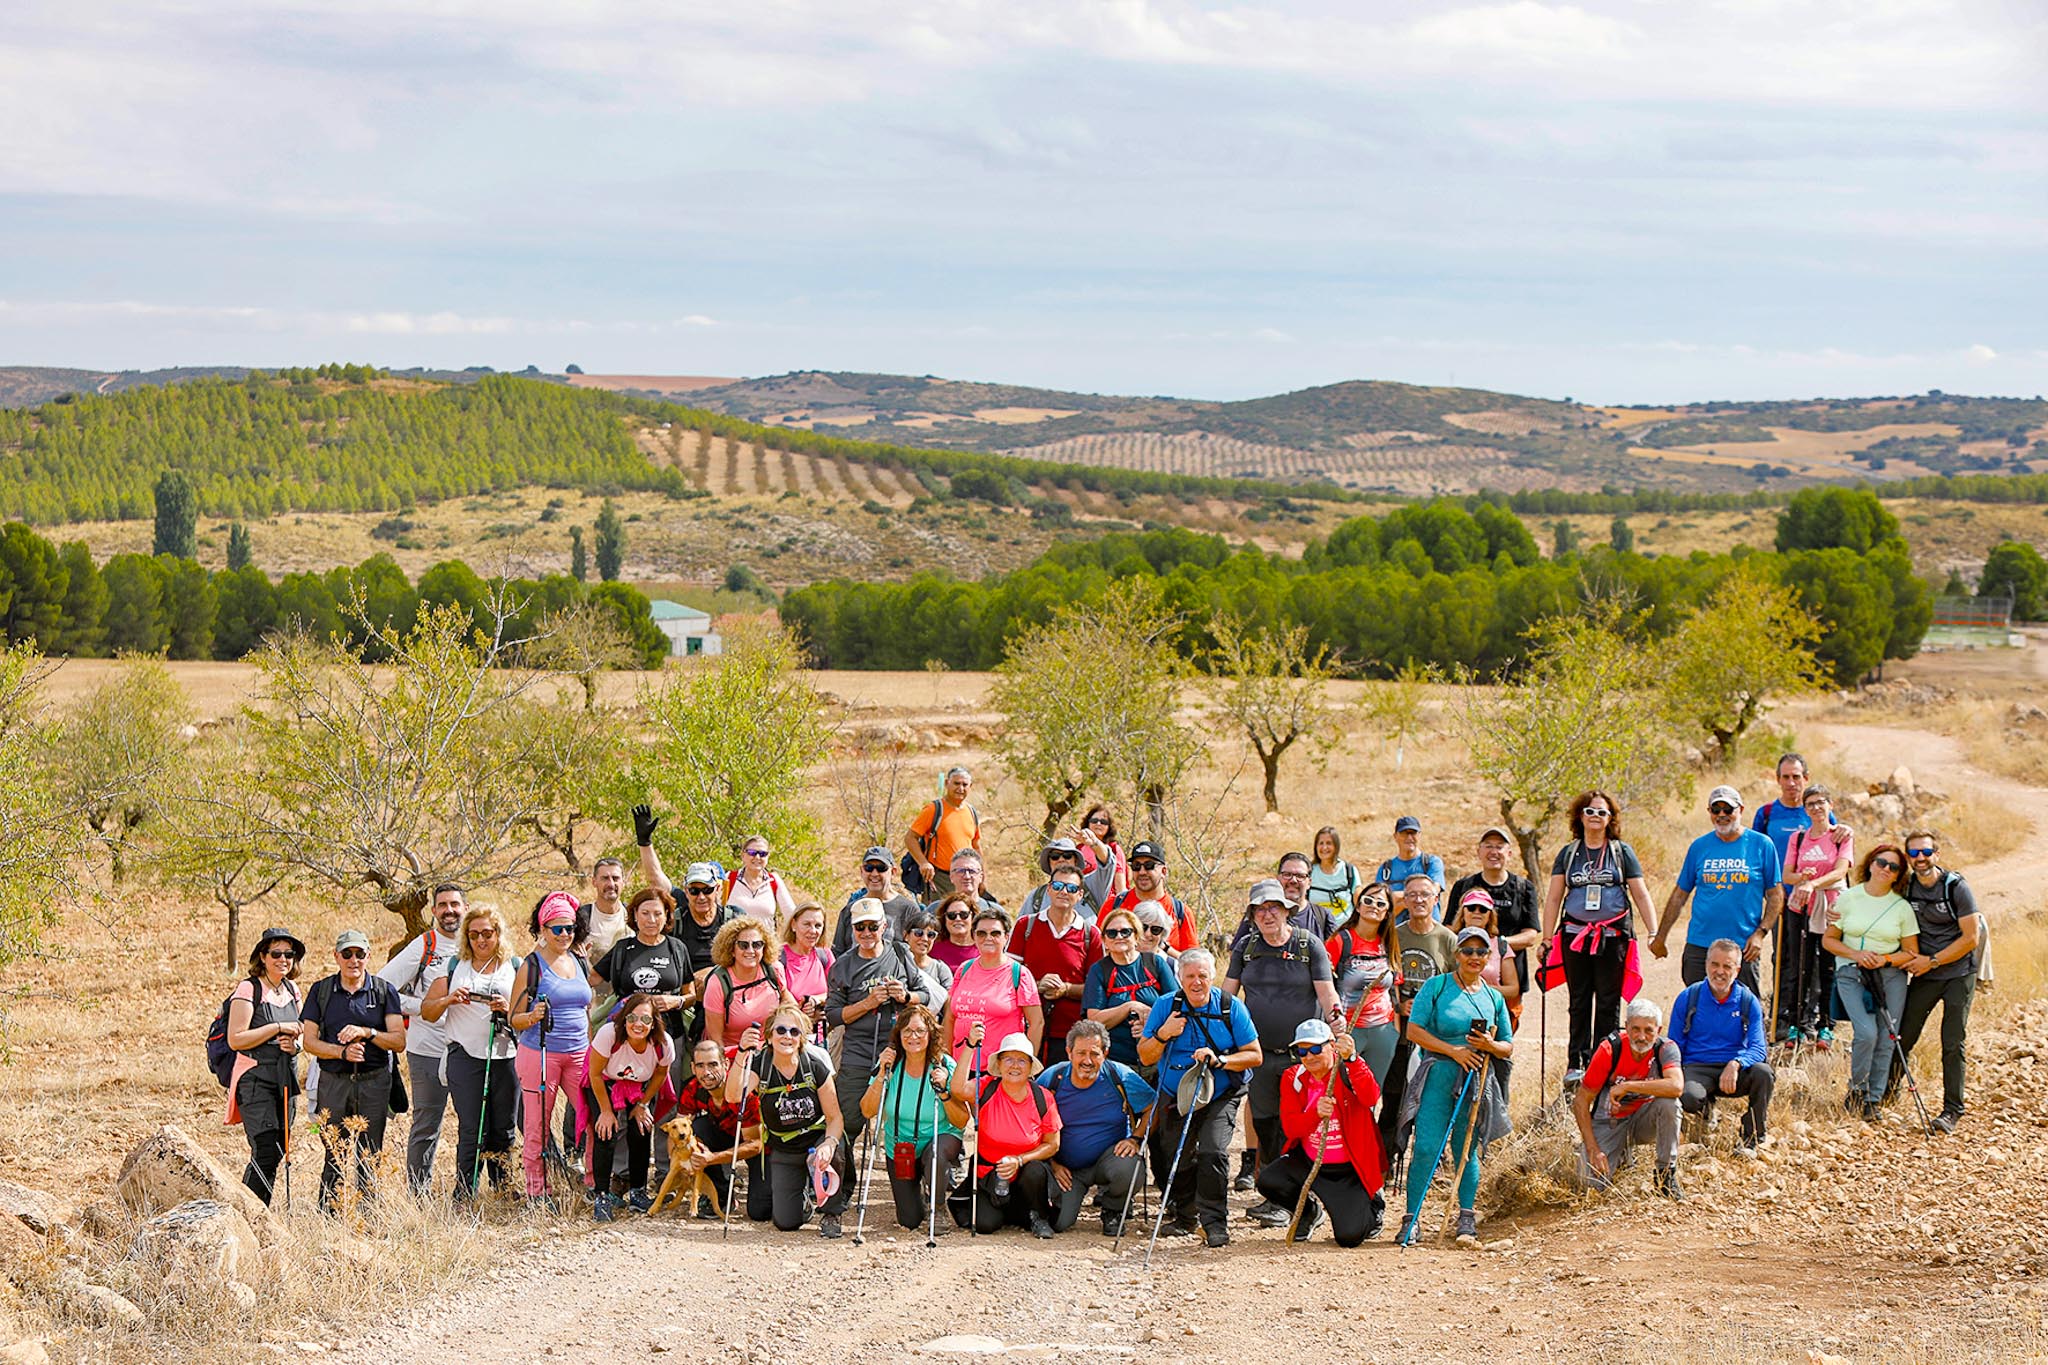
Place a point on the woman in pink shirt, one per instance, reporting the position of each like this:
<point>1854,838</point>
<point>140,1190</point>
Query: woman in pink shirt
<point>805,965</point>
<point>993,996</point>
<point>1817,863</point>
<point>743,989</point>
<point>955,915</point>
<point>752,889</point>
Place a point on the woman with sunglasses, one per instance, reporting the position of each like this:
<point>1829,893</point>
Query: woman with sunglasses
<point>1155,929</point>
<point>993,996</point>
<point>263,1031</point>
<point>1818,860</point>
<point>800,1114</point>
<point>1872,939</point>
<point>743,989</point>
<point>1476,910</point>
<point>806,964</point>
<point>1595,881</point>
<point>551,1010</point>
<point>911,1091</point>
<point>472,1000</point>
<point>1058,948</point>
<point>1363,955</point>
<point>921,932</point>
<point>1125,981</point>
<point>1096,837</point>
<point>630,1060</point>
<point>1458,1021</point>
<point>1326,1104</point>
<point>751,889</point>
<point>955,915</point>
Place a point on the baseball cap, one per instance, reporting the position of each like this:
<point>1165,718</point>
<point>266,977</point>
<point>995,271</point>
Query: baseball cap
<point>1407,823</point>
<point>1496,832</point>
<point>1476,896</point>
<point>700,874</point>
<point>867,910</point>
<point>1267,890</point>
<point>1312,1031</point>
<point>1145,848</point>
<point>1727,794</point>
<point>352,938</point>
<point>877,854</point>
<point>1466,935</point>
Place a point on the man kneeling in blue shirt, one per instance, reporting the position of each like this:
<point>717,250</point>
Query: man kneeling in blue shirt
<point>1105,1108</point>
<point>1719,1028</point>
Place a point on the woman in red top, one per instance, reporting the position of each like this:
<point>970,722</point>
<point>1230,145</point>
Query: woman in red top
<point>1326,1102</point>
<point>1057,948</point>
<point>1016,1136</point>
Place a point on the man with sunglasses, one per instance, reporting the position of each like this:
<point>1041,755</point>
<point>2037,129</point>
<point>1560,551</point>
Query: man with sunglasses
<point>1148,883</point>
<point>412,971</point>
<point>865,991</point>
<point>1740,886</point>
<point>875,868</point>
<point>1060,860</point>
<point>356,1025</point>
<point>1057,947</point>
<point>1945,971</point>
<point>698,923</point>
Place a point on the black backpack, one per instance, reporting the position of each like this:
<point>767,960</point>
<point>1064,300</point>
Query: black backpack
<point>220,1058</point>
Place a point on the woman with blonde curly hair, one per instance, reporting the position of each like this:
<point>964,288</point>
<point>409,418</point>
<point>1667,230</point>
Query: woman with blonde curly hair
<point>744,988</point>
<point>470,999</point>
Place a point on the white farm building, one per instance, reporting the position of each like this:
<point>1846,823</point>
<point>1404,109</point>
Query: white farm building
<point>689,630</point>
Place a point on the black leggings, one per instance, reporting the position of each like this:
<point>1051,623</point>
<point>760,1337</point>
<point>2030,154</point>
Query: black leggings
<point>789,1175</point>
<point>639,1151</point>
<point>1593,981</point>
<point>1026,1197</point>
<point>910,1194</point>
<point>1354,1214</point>
<point>466,1088</point>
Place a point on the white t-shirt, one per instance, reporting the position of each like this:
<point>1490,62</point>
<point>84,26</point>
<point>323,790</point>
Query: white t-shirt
<point>605,930</point>
<point>469,1026</point>
<point>414,978</point>
<point>625,1064</point>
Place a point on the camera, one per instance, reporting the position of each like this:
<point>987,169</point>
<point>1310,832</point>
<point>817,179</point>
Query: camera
<point>485,995</point>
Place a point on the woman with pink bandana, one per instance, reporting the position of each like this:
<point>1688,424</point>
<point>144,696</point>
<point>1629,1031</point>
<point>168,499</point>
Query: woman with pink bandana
<point>551,1010</point>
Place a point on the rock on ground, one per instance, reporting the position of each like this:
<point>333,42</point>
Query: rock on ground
<point>170,1168</point>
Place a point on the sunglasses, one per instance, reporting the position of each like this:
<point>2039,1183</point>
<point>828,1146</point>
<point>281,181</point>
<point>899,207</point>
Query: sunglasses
<point>483,933</point>
<point>1920,853</point>
<point>284,953</point>
<point>698,891</point>
<point>988,933</point>
<point>1888,864</point>
<point>867,926</point>
<point>926,932</point>
<point>1099,821</point>
<point>1720,808</point>
<point>956,914</point>
<point>1308,1049</point>
<point>757,853</point>
<point>788,1031</point>
<point>751,946</point>
<point>1064,886</point>
<point>353,954</point>
<point>1600,811</point>
<point>874,867</point>
<point>1116,933</point>
<point>640,1021</point>
<point>561,928</point>
<point>1143,865</point>
<point>1474,950</point>
<point>1155,928</point>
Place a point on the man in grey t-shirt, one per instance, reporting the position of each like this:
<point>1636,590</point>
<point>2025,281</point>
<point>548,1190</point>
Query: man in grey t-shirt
<point>1945,972</point>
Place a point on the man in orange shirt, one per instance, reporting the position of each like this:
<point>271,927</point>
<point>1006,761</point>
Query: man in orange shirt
<point>940,830</point>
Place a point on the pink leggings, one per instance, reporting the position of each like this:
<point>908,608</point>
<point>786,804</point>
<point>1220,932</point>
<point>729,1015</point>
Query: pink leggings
<point>564,1077</point>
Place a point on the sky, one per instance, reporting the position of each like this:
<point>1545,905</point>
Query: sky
<point>1627,201</point>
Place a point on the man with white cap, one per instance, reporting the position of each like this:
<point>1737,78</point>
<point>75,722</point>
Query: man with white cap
<point>1739,884</point>
<point>1282,973</point>
<point>1326,1101</point>
<point>354,1025</point>
<point>702,915</point>
<point>864,992</point>
<point>875,869</point>
<point>1629,1098</point>
<point>1016,1136</point>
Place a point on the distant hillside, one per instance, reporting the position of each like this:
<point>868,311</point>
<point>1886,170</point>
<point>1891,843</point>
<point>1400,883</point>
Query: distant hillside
<point>1411,439</point>
<point>28,386</point>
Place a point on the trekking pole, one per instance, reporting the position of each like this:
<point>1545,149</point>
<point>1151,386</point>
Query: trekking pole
<point>739,1131</point>
<point>931,1226</point>
<point>1884,1017</point>
<point>1430,1178</point>
<point>1777,979</point>
<point>284,1105</point>
<point>1187,1126</point>
<point>1315,1169</point>
<point>860,1220</point>
<point>974,1159</point>
<point>1472,1122</point>
<point>1543,1028</point>
<point>483,1118</point>
<point>1137,1179</point>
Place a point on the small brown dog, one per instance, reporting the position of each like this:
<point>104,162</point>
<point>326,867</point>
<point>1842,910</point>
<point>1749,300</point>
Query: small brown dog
<point>687,1159</point>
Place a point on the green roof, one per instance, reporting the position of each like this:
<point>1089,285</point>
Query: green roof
<point>665,610</point>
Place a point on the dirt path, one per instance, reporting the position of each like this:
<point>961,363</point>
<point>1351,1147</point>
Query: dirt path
<point>1758,1264</point>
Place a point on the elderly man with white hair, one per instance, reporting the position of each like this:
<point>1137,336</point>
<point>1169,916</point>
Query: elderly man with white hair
<point>1629,1098</point>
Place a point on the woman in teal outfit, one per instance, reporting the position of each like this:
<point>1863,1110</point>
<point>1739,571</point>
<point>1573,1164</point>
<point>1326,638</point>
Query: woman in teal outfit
<point>1457,1019</point>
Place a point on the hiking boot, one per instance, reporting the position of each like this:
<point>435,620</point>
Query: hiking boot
<point>1247,1172</point>
<point>1112,1226</point>
<point>706,1210</point>
<point>1468,1228</point>
<point>1667,1183</point>
<point>602,1210</point>
<point>1873,1111</point>
<point>828,1226</point>
<point>1178,1225</point>
<point>1824,1040</point>
<point>1376,1221</point>
<point>1040,1229</point>
<point>1218,1235</point>
<point>1406,1236</point>
<point>1311,1219</point>
<point>1268,1214</point>
<point>638,1201</point>
<point>1945,1121</point>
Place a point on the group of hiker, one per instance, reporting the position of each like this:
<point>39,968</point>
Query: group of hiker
<point>729,1034</point>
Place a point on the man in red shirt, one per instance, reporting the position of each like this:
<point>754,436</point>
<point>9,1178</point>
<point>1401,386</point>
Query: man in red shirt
<point>717,1126</point>
<point>1148,883</point>
<point>1629,1098</point>
<point>1058,947</point>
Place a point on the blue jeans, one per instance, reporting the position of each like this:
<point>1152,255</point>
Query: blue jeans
<point>1870,1055</point>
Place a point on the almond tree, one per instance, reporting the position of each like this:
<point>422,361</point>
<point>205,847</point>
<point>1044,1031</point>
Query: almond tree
<point>1270,683</point>
<point>1750,645</point>
<point>38,832</point>
<point>113,755</point>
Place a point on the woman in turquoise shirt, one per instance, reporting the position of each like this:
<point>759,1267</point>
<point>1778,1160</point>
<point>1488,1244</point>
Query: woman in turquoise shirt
<point>1874,936</point>
<point>1458,1019</point>
<point>908,1091</point>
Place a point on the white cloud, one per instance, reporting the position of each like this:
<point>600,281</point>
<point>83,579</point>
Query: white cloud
<point>1980,354</point>
<point>321,322</point>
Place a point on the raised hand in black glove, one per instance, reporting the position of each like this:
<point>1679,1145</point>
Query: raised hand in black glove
<point>644,821</point>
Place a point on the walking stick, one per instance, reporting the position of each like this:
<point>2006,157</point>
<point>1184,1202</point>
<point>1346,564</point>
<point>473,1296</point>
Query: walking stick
<point>1884,1017</point>
<point>739,1130</point>
<point>1315,1169</point>
<point>1173,1172</point>
<point>974,1159</point>
<point>483,1118</point>
<point>1430,1177</point>
<point>931,1225</point>
<point>1543,1027</point>
<point>867,1133</point>
<point>1472,1121</point>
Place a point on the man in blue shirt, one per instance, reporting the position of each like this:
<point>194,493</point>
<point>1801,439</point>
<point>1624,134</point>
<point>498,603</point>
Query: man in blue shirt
<point>1409,859</point>
<point>1103,1108</point>
<point>1719,1028</point>
<point>1739,881</point>
<point>1198,1023</point>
